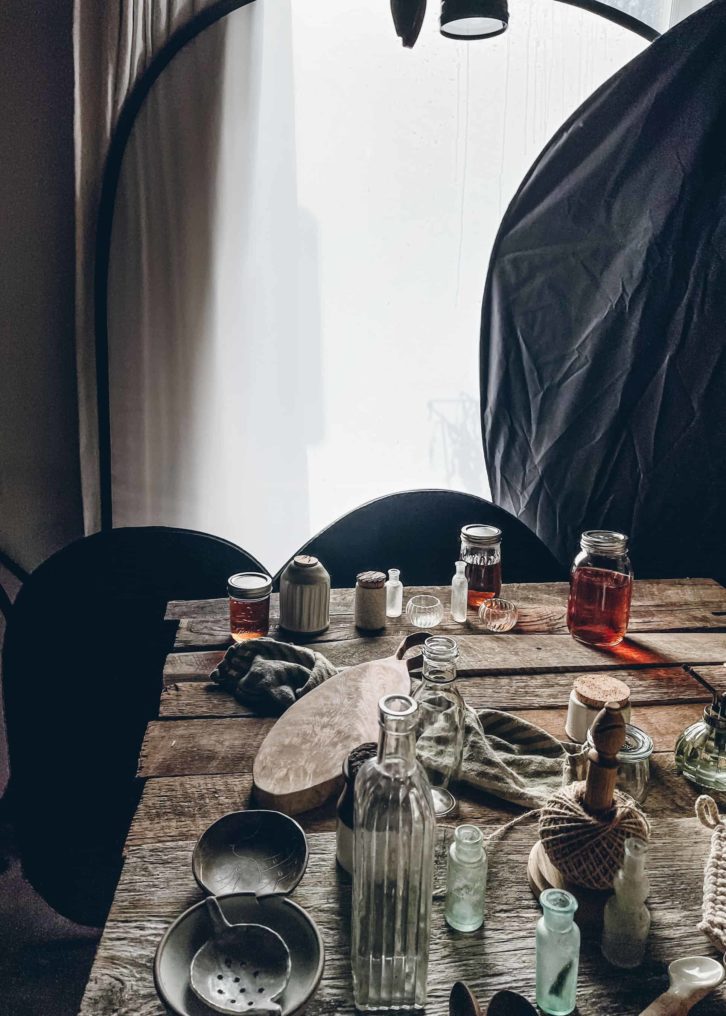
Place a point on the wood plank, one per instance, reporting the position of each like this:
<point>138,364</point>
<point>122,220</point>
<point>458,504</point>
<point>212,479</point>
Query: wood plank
<point>229,744</point>
<point>181,808</point>
<point>505,654</point>
<point>157,885</point>
<point>713,676</point>
<point>197,699</point>
<point>665,605</point>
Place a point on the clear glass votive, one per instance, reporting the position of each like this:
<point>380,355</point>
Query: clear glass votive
<point>424,611</point>
<point>498,615</point>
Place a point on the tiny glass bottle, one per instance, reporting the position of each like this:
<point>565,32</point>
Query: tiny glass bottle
<point>466,879</point>
<point>481,551</point>
<point>701,748</point>
<point>393,868</point>
<point>626,920</point>
<point>249,605</point>
<point>601,587</point>
<point>440,720</point>
<point>459,591</point>
<point>558,953</point>
<point>394,593</point>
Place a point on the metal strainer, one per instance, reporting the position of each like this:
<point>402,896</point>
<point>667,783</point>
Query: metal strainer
<point>241,968</point>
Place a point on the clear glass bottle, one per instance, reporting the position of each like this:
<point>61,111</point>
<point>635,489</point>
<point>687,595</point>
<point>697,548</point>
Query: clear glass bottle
<point>394,593</point>
<point>601,587</point>
<point>633,762</point>
<point>481,551</point>
<point>393,867</point>
<point>466,879</point>
<point>626,920</point>
<point>459,591</point>
<point>558,953</point>
<point>701,748</point>
<point>440,720</point>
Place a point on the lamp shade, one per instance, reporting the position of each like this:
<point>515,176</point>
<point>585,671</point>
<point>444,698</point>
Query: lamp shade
<point>473,19</point>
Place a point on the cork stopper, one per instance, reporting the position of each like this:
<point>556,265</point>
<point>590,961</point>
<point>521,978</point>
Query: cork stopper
<point>595,690</point>
<point>371,579</point>
<point>305,561</point>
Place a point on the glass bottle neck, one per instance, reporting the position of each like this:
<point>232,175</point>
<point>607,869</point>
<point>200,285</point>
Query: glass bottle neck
<point>397,747</point>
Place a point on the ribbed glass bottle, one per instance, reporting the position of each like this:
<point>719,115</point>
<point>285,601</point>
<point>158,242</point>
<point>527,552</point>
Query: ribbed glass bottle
<point>393,861</point>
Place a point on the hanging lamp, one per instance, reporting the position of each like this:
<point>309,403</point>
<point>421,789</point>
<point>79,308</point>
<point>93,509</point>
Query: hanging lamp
<point>473,19</point>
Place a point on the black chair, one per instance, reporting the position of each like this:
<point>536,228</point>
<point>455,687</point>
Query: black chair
<point>418,532</point>
<point>82,668</point>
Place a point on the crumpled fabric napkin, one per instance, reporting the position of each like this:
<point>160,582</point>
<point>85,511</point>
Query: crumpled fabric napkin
<point>269,676</point>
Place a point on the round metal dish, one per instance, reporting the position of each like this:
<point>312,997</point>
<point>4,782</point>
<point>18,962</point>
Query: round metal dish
<point>256,851</point>
<point>192,929</point>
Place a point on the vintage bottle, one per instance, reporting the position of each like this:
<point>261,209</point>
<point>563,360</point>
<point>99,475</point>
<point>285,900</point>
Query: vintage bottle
<point>459,591</point>
<point>466,879</point>
<point>481,551</point>
<point>601,587</point>
<point>393,860</point>
<point>701,748</point>
<point>394,593</point>
<point>626,920</point>
<point>440,728</point>
<point>558,953</point>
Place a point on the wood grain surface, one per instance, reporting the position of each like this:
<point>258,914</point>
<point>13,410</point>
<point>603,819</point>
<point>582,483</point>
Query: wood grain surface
<point>197,761</point>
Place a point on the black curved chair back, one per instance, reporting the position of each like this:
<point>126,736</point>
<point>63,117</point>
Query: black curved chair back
<point>82,668</point>
<point>418,532</point>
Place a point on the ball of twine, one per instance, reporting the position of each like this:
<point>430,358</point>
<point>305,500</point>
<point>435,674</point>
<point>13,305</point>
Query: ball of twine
<point>589,849</point>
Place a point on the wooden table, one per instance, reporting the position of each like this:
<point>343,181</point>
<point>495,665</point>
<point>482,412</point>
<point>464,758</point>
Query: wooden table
<point>197,762</point>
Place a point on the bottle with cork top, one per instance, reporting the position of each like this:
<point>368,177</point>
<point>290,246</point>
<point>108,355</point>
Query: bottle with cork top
<point>369,612</point>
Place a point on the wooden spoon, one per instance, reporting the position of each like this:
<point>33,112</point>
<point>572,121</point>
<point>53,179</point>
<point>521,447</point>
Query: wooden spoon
<point>462,1002</point>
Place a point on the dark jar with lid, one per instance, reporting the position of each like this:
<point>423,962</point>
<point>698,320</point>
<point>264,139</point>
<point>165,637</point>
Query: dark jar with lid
<point>249,605</point>
<point>481,550</point>
<point>601,588</point>
<point>346,803</point>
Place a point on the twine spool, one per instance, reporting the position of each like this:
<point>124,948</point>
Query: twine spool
<point>586,849</point>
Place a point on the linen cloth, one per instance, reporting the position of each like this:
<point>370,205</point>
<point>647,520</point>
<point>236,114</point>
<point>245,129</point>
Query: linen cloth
<point>502,755</point>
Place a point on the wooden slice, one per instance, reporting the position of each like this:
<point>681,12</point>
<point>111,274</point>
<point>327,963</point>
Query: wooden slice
<point>299,764</point>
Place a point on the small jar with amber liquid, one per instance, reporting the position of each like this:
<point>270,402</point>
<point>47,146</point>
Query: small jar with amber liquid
<point>481,551</point>
<point>249,605</point>
<point>601,587</point>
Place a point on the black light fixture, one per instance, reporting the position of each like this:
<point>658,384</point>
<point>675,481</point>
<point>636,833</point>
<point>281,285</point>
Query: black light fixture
<point>473,19</point>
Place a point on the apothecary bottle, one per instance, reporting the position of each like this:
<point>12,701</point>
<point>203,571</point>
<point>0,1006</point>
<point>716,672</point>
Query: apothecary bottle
<point>481,551</point>
<point>701,748</point>
<point>558,953</point>
<point>466,879</point>
<point>249,605</point>
<point>626,919</point>
<point>393,859</point>
<point>601,587</point>
<point>440,728</point>
<point>394,593</point>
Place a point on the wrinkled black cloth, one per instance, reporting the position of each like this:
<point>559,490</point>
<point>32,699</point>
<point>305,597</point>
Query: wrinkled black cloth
<point>603,360</point>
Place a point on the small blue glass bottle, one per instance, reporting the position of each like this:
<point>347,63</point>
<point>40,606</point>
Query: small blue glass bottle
<point>466,881</point>
<point>558,953</point>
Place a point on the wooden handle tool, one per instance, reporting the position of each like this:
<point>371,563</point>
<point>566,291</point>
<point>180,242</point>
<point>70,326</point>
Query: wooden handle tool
<point>608,735</point>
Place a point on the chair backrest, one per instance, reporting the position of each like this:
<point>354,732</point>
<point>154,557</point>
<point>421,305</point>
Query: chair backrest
<point>82,665</point>
<point>418,532</point>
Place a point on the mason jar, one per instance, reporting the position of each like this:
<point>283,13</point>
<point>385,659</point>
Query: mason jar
<point>249,605</point>
<point>601,587</point>
<point>481,551</point>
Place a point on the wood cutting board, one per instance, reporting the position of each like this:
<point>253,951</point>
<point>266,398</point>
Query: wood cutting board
<point>299,764</point>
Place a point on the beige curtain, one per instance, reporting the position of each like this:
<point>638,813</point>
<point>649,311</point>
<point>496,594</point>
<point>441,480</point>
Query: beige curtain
<point>113,44</point>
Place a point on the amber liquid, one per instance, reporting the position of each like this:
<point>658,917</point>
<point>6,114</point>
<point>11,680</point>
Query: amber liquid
<point>485,582</point>
<point>598,609</point>
<point>249,619</point>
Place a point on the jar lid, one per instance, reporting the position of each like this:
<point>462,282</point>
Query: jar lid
<point>596,690</point>
<point>604,541</point>
<point>481,536</point>
<point>249,585</point>
<point>371,579</point>
<point>305,561</point>
<point>638,745</point>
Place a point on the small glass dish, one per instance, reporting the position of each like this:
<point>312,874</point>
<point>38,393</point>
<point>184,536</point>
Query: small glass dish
<point>424,611</point>
<point>498,615</point>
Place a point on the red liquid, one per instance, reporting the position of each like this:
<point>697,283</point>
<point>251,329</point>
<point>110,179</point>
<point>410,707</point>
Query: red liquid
<point>485,582</point>
<point>598,609</point>
<point>249,619</point>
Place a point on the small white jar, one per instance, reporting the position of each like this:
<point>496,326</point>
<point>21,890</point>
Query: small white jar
<point>589,695</point>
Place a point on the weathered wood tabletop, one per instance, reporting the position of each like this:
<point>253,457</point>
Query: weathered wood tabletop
<point>197,764</point>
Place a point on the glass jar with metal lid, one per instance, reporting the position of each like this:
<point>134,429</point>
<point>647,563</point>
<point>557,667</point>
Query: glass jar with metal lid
<point>249,605</point>
<point>601,586</point>
<point>481,550</point>
<point>633,762</point>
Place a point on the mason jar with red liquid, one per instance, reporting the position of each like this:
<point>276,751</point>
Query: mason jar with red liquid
<point>601,587</point>
<point>481,551</point>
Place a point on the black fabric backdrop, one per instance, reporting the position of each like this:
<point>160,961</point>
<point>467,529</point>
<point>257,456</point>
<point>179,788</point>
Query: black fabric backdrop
<point>603,366</point>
